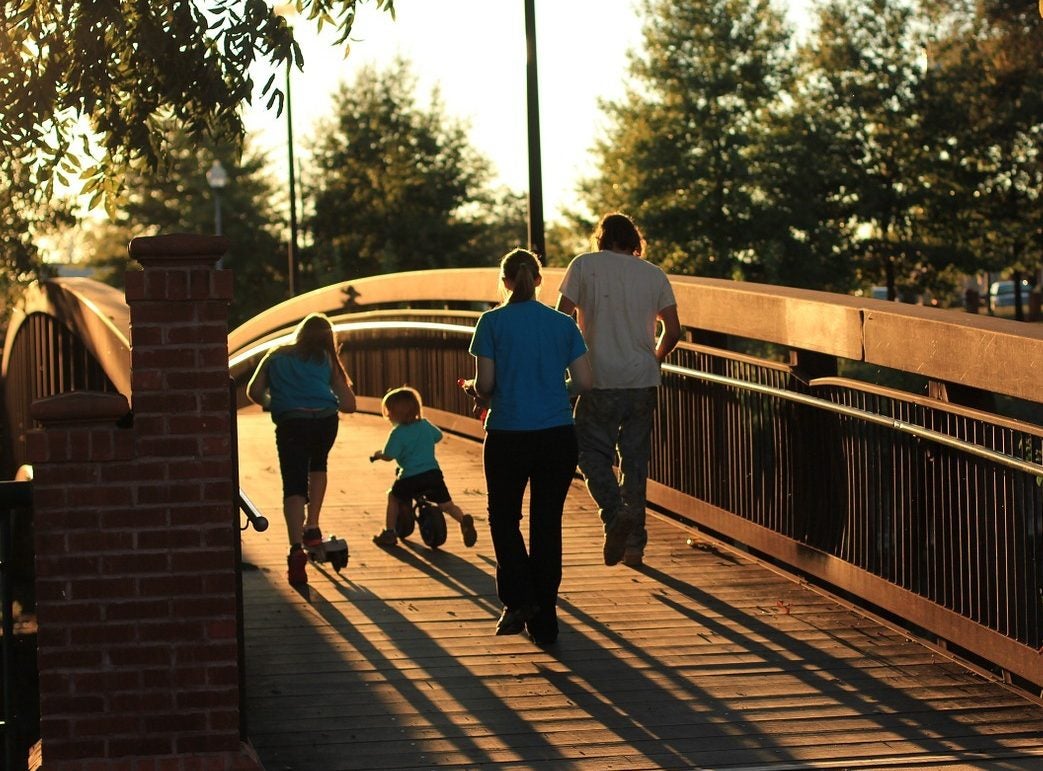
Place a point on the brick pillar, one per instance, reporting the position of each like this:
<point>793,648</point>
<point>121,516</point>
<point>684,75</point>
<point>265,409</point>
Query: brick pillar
<point>135,529</point>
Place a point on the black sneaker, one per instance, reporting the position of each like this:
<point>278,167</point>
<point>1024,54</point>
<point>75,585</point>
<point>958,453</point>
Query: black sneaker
<point>467,530</point>
<point>616,533</point>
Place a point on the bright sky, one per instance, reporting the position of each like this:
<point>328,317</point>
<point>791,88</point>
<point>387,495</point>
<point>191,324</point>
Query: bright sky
<point>474,50</point>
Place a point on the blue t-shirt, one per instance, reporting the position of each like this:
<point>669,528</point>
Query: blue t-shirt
<point>300,384</point>
<point>531,346</point>
<point>412,445</point>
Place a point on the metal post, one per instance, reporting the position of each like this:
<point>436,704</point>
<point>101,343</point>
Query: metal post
<point>217,212</point>
<point>536,239</point>
<point>293,274</point>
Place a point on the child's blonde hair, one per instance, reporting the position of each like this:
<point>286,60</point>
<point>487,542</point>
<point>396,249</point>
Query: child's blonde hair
<point>406,398</point>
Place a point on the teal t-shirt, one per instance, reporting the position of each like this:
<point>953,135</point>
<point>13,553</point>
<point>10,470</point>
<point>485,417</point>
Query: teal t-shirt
<point>531,346</point>
<point>412,445</point>
<point>300,385</point>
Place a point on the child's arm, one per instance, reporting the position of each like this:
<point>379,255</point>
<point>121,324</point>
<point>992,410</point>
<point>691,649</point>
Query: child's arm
<point>379,455</point>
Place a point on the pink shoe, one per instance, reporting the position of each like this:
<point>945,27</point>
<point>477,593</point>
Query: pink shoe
<point>297,564</point>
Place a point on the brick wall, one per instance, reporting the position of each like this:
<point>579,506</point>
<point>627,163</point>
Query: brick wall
<point>135,522</point>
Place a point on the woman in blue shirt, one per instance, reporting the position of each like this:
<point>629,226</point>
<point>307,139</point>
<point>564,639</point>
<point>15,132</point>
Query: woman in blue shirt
<point>304,385</point>
<point>529,360</point>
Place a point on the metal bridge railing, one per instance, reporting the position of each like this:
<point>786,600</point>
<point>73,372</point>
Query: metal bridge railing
<point>13,496</point>
<point>926,510</point>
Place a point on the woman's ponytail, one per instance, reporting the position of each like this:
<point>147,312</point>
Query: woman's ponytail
<point>522,268</point>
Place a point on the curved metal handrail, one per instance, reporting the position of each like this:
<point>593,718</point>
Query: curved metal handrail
<point>97,313</point>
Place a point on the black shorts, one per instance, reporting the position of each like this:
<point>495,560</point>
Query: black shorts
<point>430,483</point>
<point>304,446</point>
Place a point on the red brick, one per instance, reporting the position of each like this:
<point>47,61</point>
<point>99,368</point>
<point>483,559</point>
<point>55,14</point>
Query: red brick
<point>145,471</point>
<point>47,497</point>
<point>216,357</point>
<point>136,656</point>
<point>223,676</point>
<point>222,490</point>
<point>200,380</point>
<point>222,583</point>
<point>170,631</point>
<point>180,723</point>
<point>222,629</point>
<point>136,518</point>
<point>223,720</point>
<point>209,742</point>
<point>215,446</point>
<point>212,652</point>
<point>136,563</point>
<point>137,746</point>
<point>90,541</point>
<point>212,333</point>
<point>146,380</point>
<point>169,538</point>
<point>68,659</point>
<point>161,402</point>
<point>141,701</point>
<point>166,359</point>
<point>107,682</point>
<point>134,285</point>
<point>214,423</point>
<point>149,335</point>
<point>106,725</point>
<point>167,493</point>
<point>192,677</point>
<point>59,564</point>
<point>200,561</point>
<point>167,447</point>
<point>161,313</point>
<point>106,588</point>
<point>170,586</point>
<point>202,607</point>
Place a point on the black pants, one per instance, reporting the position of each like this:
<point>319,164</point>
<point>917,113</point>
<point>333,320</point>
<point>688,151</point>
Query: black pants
<point>545,461</point>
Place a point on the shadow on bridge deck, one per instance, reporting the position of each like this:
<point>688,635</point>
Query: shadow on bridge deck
<point>701,659</point>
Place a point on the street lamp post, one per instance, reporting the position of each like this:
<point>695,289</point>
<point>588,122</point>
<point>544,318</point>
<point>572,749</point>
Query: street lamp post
<point>536,235</point>
<point>291,253</point>
<point>217,178</point>
<point>286,10</point>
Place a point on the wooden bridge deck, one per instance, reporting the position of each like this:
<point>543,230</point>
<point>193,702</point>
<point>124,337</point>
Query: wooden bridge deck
<point>701,659</point>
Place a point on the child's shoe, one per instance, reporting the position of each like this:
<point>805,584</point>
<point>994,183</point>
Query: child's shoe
<point>297,564</point>
<point>386,538</point>
<point>312,541</point>
<point>467,530</point>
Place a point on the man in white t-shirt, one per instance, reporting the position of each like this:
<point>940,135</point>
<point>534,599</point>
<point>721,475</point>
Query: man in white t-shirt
<point>619,300</point>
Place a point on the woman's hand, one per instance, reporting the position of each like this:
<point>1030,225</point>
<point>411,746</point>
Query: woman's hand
<point>480,405</point>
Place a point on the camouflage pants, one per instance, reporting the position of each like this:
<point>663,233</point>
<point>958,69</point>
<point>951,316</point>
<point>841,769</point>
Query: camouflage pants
<point>613,423</point>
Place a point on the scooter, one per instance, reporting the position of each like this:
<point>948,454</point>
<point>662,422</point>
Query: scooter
<point>333,550</point>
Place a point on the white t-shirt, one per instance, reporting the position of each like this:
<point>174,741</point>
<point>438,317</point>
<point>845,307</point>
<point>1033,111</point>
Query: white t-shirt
<point>618,298</point>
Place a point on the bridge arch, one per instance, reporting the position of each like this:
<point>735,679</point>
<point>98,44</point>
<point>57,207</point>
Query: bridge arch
<point>925,508</point>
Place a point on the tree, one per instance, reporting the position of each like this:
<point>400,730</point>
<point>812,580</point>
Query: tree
<point>682,152</point>
<point>87,88</point>
<point>180,200</point>
<point>399,187</point>
<point>867,85</point>
<point>992,172</point>
<point>75,72</point>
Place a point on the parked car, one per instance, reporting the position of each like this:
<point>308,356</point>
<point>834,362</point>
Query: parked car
<point>1001,297</point>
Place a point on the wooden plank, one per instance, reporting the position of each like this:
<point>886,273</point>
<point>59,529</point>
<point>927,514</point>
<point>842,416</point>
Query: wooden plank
<point>702,658</point>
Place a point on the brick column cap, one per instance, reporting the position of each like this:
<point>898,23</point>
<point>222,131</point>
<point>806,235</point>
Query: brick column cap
<point>177,249</point>
<point>80,407</point>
